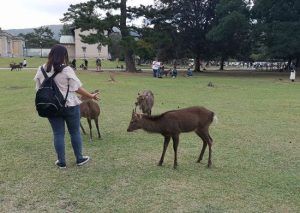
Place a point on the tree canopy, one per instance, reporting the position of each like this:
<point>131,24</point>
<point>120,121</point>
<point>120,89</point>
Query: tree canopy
<point>103,16</point>
<point>278,31</point>
<point>40,37</point>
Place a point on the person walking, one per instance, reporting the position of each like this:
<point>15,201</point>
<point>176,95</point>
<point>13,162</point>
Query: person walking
<point>86,63</point>
<point>293,72</point>
<point>66,78</point>
<point>98,64</point>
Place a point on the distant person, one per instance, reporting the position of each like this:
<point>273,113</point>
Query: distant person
<point>161,70</point>
<point>86,63</point>
<point>73,63</point>
<point>189,72</point>
<point>24,63</point>
<point>98,64</point>
<point>158,73</point>
<point>70,116</point>
<point>293,72</point>
<point>174,72</point>
<point>154,68</point>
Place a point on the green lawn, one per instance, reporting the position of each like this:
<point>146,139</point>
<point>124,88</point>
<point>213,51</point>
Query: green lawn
<point>256,152</point>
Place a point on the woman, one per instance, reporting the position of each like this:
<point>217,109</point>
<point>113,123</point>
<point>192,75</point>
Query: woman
<point>57,62</point>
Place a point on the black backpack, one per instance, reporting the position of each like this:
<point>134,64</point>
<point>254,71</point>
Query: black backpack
<point>49,101</point>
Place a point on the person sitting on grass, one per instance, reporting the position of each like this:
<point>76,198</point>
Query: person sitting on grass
<point>174,72</point>
<point>189,72</point>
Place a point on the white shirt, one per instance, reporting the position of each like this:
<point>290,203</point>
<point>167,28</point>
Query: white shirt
<point>155,65</point>
<point>293,75</point>
<point>62,79</point>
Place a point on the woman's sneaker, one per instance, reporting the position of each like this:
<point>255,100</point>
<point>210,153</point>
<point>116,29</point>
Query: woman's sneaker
<point>60,165</point>
<point>83,161</point>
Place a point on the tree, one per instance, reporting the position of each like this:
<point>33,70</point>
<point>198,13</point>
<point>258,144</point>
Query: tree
<point>102,16</point>
<point>278,31</point>
<point>191,20</point>
<point>230,32</point>
<point>66,30</point>
<point>42,37</point>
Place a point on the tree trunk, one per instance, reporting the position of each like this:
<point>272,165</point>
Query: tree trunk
<point>197,64</point>
<point>222,63</point>
<point>298,63</point>
<point>129,60</point>
<point>289,63</point>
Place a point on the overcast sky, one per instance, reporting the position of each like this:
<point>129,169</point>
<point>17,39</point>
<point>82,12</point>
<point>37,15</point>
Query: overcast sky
<point>18,14</point>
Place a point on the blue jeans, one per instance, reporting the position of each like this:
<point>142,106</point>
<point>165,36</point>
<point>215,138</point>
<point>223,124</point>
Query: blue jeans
<point>71,116</point>
<point>154,73</point>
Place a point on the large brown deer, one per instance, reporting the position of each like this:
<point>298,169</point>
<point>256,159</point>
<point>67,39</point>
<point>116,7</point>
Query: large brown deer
<point>170,124</point>
<point>90,110</point>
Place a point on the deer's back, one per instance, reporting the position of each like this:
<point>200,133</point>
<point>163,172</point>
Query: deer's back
<point>188,119</point>
<point>89,109</point>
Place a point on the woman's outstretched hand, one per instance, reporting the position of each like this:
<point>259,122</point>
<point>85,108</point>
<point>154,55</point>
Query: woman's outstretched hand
<point>95,96</point>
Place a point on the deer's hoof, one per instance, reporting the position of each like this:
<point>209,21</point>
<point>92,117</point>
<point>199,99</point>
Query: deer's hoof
<point>159,164</point>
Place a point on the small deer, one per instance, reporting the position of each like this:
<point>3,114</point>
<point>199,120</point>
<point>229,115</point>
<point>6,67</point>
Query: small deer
<point>90,110</point>
<point>16,66</point>
<point>145,101</point>
<point>170,124</point>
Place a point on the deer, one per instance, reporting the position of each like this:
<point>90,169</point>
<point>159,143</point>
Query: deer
<point>145,101</point>
<point>15,66</point>
<point>171,123</point>
<point>90,110</point>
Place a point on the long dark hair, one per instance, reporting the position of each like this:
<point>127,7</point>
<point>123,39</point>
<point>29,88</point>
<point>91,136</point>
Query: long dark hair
<point>58,58</point>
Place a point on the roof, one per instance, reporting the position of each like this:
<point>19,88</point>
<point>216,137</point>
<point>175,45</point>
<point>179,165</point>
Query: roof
<point>67,39</point>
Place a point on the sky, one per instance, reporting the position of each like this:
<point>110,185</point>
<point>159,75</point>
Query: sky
<point>19,14</point>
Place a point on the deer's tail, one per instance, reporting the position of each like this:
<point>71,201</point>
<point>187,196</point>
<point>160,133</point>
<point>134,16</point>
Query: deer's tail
<point>214,118</point>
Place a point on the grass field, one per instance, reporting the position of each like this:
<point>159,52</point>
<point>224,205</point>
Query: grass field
<point>256,152</point>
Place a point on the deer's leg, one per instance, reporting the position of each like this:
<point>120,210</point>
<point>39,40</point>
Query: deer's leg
<point>166,143</point>
<point>97,126</point>
<point>202,152</point>
<point>207,140</point>
<point>175,146</point>
<point>90,126</point>
<point>201,135</point>
<point>210,142</point>
<point>82,129</point>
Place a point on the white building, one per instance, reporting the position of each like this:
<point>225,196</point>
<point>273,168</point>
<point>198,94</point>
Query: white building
<point>11,46</point>
<point>77,49</point>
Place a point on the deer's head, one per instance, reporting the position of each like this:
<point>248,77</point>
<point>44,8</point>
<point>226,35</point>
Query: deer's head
<point>135,122</point>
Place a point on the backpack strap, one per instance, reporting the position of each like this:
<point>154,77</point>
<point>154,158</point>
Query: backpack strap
<point>53,76</point>
<point>44,72</point>
<point>67,92</point>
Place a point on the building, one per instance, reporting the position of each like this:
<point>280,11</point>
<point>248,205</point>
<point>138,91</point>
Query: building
<point>77,49</point>
<point>11,46</point>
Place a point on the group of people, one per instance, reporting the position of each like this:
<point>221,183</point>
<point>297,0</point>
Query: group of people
<point>85,64</point>
<point>158,69</point>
